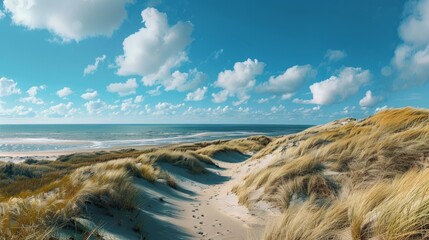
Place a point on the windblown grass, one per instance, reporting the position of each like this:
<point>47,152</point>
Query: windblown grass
<point>39,197</point>
<point>190,160</point>
<point>248,145</point>
<point>53,205</point>
<point>343,170</point>
<point>397,209</point>
<point>108,185</point>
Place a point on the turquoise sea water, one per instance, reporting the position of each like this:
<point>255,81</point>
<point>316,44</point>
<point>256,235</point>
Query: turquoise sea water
<point>33,138</point>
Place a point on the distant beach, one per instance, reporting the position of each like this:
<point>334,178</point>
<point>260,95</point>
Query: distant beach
<point>20,142</point>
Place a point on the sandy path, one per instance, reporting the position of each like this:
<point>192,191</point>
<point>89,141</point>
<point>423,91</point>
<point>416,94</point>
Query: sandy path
<point>203,206</point>
<point>207,209</point>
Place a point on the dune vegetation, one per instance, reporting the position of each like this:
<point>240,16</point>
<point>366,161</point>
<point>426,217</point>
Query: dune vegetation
<point>349,179</point>
<point>38,198</point>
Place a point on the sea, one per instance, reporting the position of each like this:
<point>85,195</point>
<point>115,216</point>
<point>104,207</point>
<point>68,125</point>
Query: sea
<point>42,138</point>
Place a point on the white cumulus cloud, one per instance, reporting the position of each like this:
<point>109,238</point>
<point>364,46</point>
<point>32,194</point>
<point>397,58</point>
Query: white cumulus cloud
<point>95,106</point>
<point>184,81</point>
<point>338,88</point>
<point>155,49</point>
<point>411,59</point>
<point>91,68</point>
<point>123,89</point>
<point>197,95</point>
<point>89,95</point>
<point>369,100</point>
<point>69,19</point>
<point>32,95</point>
<point>239,81</point>
<point>60,110</point>
<point>165,108</point>
<point>289,81</point>
<point>8,87</point>
<point>15,111</point>
<point>64,92</point>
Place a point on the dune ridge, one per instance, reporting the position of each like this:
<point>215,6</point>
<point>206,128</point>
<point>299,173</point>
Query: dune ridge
<point>348,179</point>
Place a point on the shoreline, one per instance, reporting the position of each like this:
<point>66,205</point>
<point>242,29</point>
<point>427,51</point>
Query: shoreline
<point>52,155</point>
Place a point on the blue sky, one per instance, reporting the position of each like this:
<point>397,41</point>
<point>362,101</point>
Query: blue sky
<point>189,61</point>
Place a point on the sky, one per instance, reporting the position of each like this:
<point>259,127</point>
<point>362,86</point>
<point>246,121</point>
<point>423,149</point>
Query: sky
<point>212,61</point>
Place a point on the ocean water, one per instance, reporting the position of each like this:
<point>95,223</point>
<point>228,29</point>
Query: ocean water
<point>37,138</point>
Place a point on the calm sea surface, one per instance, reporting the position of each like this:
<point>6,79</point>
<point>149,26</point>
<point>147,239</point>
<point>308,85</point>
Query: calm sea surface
<point>33,138</point>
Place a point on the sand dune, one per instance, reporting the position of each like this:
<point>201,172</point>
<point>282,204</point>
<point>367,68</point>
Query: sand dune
<point>348,179</point>
<point>202,207</point>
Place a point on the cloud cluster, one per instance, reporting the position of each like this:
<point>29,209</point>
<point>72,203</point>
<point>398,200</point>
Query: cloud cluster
<point>8,87</point>
<point>184,81</point>
<point>130,103</point>
<point>18,110</point>
<point>32,95</point>
<point>96,106</point>
<point>91,68</point>
<point>60,110</point>
<point>89,95</point>
<point>123,89</point>
<point>197,95</point>
<point>155,49</point>
<point>69,19</point>
<point>238,82</point>
<point>289,81</point>
<point>338,88</point>
<point>64,92</point>
<point>369,100</point>
<point>165,108</point>
<point>411,59</point>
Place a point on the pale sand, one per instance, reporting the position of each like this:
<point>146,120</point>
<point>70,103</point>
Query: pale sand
<point>54,154</point>
<point>202,208</point>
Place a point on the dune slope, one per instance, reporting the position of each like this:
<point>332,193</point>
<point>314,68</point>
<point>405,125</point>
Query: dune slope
<point>348,179</point>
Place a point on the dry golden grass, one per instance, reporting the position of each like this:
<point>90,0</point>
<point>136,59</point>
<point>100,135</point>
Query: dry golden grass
<point>190,160</point>
<point>397,209</point>
<point>347,159</point>
<point>53,205</point>
<point>37,211</point>
<point>248,145</point>
<point>39,197</point>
